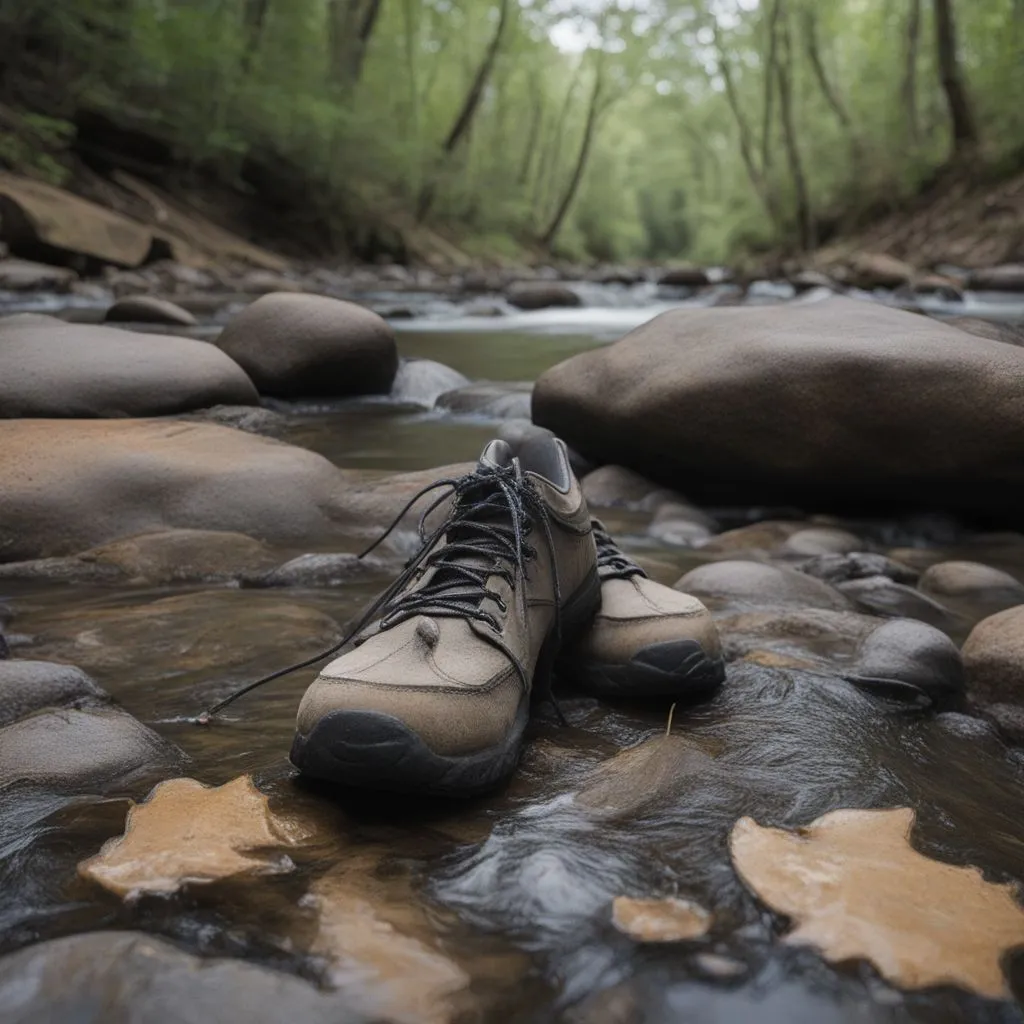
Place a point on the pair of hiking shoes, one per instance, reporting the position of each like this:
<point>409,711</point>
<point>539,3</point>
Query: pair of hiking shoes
<point>517,580</point>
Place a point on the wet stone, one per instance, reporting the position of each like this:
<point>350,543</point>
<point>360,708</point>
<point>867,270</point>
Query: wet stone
<point>144,309</point>
<point>856,565</point>
<point>972,589</point>
<point>69,750</point>
<point>883,596</point>
<point>738,584</point>
<point>86,977</point>
<point>27,686</point>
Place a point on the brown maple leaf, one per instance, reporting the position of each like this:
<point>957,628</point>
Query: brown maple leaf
<point>856,888</point>
<point>185,832</point>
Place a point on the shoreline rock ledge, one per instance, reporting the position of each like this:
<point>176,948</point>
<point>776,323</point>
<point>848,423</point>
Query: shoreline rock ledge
<point>836,403</point>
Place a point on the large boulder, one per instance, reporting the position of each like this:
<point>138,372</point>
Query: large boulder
<point>836,402</point>
<point>42,220</point>
<point>51,368</point>
<point>73,485</point>
<point>300,346</point>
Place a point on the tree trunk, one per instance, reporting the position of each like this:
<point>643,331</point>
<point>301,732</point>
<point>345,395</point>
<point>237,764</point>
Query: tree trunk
<point>549,157</point>
<point>254,14</point>
<point>805,220</point>
<point>593,110</point>
<point>909,90</point>
<point>769,87</point>
<point>827,89</point>
<point>965,132</point>
<point>532,134</point>
<point>464,119</point>
<point>350,26</point>
<point>476,90</point>
<point>757,179</point>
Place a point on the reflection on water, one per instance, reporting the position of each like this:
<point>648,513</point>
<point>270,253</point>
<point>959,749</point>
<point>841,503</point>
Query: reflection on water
<point>515,889</point>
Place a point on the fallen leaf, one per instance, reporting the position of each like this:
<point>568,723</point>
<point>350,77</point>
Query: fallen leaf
<point>640,776</point>
<point>857,889</point>
<point>378,937</point>
<point>185,832</point>
<point>660,920</point>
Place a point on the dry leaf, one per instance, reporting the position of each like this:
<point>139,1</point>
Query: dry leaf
<point>856,888</point>
<point>386,941</point>
<point>664,920</point>
<point>185,832</point>
<point>640,776</point>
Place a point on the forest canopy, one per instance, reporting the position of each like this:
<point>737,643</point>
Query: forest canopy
<point>599,129</point>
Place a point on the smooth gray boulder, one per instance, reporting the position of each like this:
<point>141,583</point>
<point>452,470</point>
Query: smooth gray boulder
<point>310,346</point>
<point>52,369</point>
<point>835,403</point>
<point>27,686</point>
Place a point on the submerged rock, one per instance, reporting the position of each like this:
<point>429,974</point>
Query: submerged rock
<point>119,977</point>
<point>309,346</point>
<point>423,381</point>
<point>50,368</point>
<point>756,406</point>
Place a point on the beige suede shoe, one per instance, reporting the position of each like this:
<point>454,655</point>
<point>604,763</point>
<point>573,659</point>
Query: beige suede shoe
<point>648,640</point>
<point>434,696</point>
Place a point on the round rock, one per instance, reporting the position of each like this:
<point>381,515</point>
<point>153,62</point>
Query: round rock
<point>306,346</point>
<point>972,589</point>
<point>541,295</point>
<point>909,659</point>
<point>738,584</point>
<point>27,686</point>
<point>144,309</point>
<point>994,658</point>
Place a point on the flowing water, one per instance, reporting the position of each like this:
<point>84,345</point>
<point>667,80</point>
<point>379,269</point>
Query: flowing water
<point>515,888</point>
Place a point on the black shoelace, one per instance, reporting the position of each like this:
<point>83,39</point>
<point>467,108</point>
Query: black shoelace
<point>611,562</point>
<point>493,511</point>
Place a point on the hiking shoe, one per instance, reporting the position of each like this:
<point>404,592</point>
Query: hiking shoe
<point>648,640</point>
<point>434,696</point>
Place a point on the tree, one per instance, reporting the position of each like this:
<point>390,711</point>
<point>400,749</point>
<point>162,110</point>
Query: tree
<point>965,131</point>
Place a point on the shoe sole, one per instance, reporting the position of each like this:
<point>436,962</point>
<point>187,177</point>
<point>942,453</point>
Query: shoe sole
<point>674,668</point>
<point>376,751</point>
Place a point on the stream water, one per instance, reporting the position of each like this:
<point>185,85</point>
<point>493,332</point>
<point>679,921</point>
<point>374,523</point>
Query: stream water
<point>515,888</point>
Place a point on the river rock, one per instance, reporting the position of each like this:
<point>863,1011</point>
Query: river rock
<point>620,487</point>
<point>1007,333</point>
<point>541,295</point>
<point>25,276</point>
<point>994,659</point>
<point>423,381</point>
<point>144,309</point>
<point>971,589</point>
<point>27,686</point>
<point>38,218</point>
<point>684,277</point>
<point>759,405</point>
<point>739,584</point>
<point>1006,278</point>
<point>821,540</point>
<point>74,485</point>
<point>118,977</point>
<point>907,659</point>
<point>882,596</point>
<point>755,539</point>
<point>321,570</point>
<point>71,750</point>
<point>870,270</point>
<point>498,400</point>
<point>253,419</point>
<point>301,346</point>
<point>49,368</point>
<point>680,525</point>
<point>936,284</point>
<point>856,565</point>
<point>807,280</point>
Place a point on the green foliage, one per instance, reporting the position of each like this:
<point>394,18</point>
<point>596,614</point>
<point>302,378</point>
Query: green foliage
<point>690,153</point>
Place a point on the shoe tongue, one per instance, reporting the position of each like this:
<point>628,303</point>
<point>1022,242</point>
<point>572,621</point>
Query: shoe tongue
<point>497,454</point>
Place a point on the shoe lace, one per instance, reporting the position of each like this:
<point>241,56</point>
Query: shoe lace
<point>612,563</point>
<point>493,511</point>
